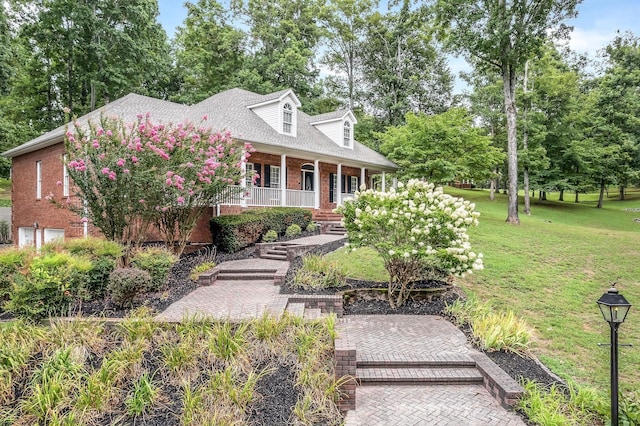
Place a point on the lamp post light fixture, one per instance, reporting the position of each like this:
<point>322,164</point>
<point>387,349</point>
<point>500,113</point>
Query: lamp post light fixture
<point>614,308</point>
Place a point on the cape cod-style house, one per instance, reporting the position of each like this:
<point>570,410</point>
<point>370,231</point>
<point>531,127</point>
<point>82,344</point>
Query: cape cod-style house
<point>302,160</point>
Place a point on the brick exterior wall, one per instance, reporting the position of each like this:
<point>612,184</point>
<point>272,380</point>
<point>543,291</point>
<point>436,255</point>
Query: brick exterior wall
<point>28,210</point>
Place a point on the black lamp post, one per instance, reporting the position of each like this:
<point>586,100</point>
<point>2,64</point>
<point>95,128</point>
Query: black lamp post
<point>614,308</point>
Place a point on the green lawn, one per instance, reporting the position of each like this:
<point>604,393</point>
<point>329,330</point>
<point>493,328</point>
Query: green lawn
<point>551,269</point>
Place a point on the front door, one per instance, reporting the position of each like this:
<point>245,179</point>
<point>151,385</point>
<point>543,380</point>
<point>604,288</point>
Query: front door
<point>307,177</point>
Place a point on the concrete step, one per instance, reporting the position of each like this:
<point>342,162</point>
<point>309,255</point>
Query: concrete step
<point>312,313</point>
<point>296,309</point>
<point>418,376</point>
<point>245,276</point>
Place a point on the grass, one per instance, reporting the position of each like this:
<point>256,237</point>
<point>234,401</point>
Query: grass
<point>550,270</point>
<point>200,371</point>
<point>363,264</point>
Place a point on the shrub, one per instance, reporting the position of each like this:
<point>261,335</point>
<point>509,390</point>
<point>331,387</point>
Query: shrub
<point>235,232</point>
<point>157,261</point>
<point>50,285</point>
<point>4,232</point>
<point>415,228</point>
<point>293,230</point>
<point>127,283</point>
<point>203,267</point>
<point>11,260</point>
<point>311,227</point>
<point>94,247</point>
<point>270,236</point>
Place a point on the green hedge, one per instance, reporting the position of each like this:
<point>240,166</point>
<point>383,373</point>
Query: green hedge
<point>235,232</point>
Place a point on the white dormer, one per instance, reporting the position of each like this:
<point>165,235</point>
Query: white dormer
<point>337,126</point>
<point>280,111</point>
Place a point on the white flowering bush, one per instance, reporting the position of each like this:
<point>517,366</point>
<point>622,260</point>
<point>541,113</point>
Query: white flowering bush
<point>414,228</point>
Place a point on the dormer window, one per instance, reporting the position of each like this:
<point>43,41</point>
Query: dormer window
<point>346,131</point>
<point>287,118</point>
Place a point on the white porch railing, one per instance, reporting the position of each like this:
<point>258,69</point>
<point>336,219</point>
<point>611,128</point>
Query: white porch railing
<point>257,196</point>
<point>298,198</point>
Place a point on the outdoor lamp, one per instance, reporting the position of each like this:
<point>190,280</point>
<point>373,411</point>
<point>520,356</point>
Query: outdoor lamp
<point>614,308</point>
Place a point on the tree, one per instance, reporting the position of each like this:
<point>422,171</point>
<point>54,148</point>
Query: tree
<point>345,22</point>
<point>284,35</point>
<point>503,34</point>
<point>417,230</point>
<point>441,148</point>
<point>209,52</point>
<point>128,176</point>
<point>403,69</point>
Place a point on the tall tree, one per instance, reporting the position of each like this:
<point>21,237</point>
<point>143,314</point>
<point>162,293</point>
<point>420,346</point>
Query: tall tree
<point>284,35</point>
<point>209,52</point>
<point>503,34</point>
<point>345,23</point>
<point>441,148</point>
<point>403,69</point>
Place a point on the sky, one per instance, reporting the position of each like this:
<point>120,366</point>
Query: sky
<point>594,28</point>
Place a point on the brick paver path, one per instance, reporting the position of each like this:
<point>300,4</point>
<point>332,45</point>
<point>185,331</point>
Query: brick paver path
<point>318,239</point>
<point>455,405</point>
<point>401,336</point>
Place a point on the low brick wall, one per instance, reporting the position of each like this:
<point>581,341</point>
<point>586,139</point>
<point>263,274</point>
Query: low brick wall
<point>327,303</point>
<point>499,384</point>
<point>293,250</point>
<point>344,356</point>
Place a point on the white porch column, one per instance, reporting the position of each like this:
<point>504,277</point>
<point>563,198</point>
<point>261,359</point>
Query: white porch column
<point>384,182</point>
<point>243,183</point>
<point>283,180</point>
<point>395,183</point>
<point>316,184</point>
<point>339,185</point>
<point>362,176</point>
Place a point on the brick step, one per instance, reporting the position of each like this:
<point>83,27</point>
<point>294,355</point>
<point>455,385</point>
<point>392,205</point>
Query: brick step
<point>245,276</point>
<point>418,376</point>
<point>312,313</point>
<point>443,360</point>
<point>277,250</point>
<point>249,271</point>
<point>296,309</point>
<point>274,256</point>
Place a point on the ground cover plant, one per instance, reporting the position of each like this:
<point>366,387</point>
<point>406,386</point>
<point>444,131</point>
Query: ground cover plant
<point>266,371</point>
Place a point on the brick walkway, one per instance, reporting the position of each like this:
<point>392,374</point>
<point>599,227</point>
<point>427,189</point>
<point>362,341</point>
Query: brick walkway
<point>405,336</point>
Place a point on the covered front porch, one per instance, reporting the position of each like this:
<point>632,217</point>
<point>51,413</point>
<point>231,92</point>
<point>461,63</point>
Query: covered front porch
<point>288,181</point>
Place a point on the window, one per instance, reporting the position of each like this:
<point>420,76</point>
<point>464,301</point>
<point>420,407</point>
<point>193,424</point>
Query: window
<point>347,133</point>
<point>38,179</point>
<point>354,184</point>
<point>287,118</point>
<point>65,177</point>
<point>250,172</point>
<point>335,187</point>
<point>274,177</point>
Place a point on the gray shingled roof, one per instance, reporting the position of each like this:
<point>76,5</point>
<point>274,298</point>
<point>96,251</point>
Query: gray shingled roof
<point>335,115</point>
<point>229,111</point>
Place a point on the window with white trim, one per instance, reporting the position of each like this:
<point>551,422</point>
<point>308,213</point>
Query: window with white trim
<point>354,183</point>
<point>274,176</point>
<point>65,177</point>
<point>346,132</point>
<point>335,187</point>
<point>249,173</point>
<point>38,179</point>
<point>287,118</point>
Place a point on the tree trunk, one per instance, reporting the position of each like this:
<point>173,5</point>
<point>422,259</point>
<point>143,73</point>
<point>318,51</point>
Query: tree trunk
<point>576,200</point>
<point>525,136</point>
<point>621,193</point>
<point>561,197</point>
<point>509,87</point>
<point>601,197</point>
<point>492,189</point>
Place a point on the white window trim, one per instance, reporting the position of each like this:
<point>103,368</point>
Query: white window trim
<point>354,183</point>
<point>65,177</point>
<point>287,125</point>
<point>274,176</point>
<point>38,180</point>
<point>249,173</point>
<point>346,133</point>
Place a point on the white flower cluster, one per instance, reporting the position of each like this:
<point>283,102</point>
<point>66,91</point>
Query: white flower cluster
<point>416,221</point>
